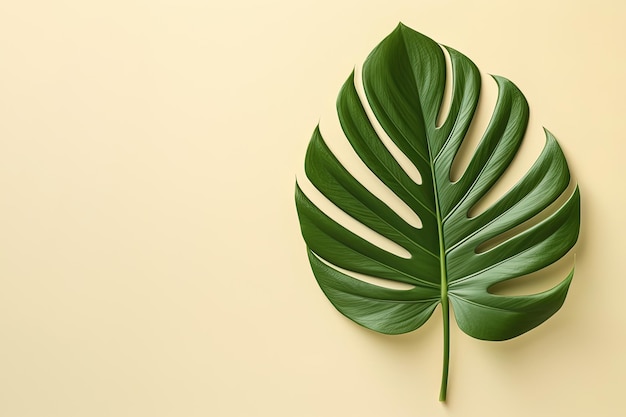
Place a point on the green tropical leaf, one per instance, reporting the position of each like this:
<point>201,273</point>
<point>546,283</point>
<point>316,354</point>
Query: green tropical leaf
<point>404,81</point>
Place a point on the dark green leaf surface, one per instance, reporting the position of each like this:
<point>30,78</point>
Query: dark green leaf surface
<point>404,80</point>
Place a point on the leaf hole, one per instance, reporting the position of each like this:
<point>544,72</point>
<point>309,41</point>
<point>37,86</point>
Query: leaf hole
<point>444,109</point>
<point>486,105</point>
<point>347,221</point>
<point>538,281</point>
<point>404,162</point>
<point>541,216</point>
<point>526,155</point>
<point>380,282</point>
<point>341,148</point>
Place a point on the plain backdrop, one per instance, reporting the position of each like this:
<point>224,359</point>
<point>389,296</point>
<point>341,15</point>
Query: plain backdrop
<point>151,262</point>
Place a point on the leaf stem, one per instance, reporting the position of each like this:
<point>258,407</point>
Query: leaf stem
<point>446,345</point>
<point>445,306</point>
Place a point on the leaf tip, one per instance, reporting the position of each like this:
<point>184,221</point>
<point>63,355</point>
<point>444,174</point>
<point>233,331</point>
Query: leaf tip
<point>402,28</point>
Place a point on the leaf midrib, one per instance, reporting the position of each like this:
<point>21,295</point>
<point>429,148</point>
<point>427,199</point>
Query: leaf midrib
<point>438,217</point>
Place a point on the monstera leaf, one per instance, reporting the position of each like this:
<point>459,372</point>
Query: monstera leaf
<point>404,80</point>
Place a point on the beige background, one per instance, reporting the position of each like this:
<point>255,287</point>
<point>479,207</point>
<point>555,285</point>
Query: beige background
<point>150,257</point>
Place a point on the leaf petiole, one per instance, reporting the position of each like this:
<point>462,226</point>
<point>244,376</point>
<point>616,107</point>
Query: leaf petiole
<point>446,347</point>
